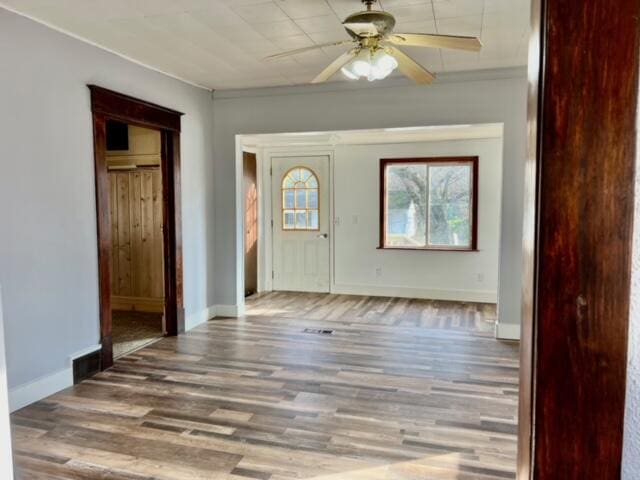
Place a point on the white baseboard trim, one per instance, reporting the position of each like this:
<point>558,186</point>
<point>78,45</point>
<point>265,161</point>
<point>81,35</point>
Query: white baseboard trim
<point>232,311</point>
<point>42,387</point>
<point>203,316</point>
<point>479,296</point>
<point>37,389</point>
<point>507,331</point>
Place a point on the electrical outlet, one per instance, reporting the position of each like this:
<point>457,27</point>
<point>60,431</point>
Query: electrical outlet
<point>355,219</point>
<point>378,271</point>
<point>336,221</point>
<point>480,277</point>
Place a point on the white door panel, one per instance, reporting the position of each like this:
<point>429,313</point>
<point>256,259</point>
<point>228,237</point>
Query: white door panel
<point>300,202</point>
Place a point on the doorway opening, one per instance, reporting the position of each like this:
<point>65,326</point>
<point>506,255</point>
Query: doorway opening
<point>137,168</point>
<point>134,158</point>
<point>323,205</point>
<point>250,176</point>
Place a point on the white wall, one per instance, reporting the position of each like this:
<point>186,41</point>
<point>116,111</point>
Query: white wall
<point>631,455</point>
<point>48,248</point>
<point>6,461</point>
<point>427,274</point>
<point>493,97</point>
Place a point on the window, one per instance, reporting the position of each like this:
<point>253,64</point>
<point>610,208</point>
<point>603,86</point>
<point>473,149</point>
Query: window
<point>300,200</point>
<point>429,203</point>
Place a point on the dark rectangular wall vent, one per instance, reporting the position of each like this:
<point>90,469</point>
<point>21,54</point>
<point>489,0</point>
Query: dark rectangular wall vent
<point>117,135</point>
<point>318,331</point>
<point>86,366</point>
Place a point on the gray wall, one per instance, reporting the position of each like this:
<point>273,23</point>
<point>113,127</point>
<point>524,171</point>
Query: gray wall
<point>6,461</point>
<point>460,99</point>
<point>631,457</point>
<point>48,251</point>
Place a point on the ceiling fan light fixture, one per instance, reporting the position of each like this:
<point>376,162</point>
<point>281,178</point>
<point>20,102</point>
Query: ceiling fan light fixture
<point>373,52</point>
<point>372,65</point>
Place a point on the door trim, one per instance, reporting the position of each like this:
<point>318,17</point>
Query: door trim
<point>109,105</point>
<point>582,121</point>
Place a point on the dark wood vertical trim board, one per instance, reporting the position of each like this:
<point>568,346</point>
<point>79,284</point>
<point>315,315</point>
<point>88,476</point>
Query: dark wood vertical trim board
<point>527,341</point>
<point>578,317</point>
<point>104,236</point>
<point>105,105</point>
<point>174,316</point>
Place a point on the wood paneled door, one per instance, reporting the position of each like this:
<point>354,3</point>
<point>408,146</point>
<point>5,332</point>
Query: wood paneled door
<point>116,276</point>
<point>135,199</point>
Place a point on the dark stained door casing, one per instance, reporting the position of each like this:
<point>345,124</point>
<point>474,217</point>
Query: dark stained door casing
<point>583,168</point>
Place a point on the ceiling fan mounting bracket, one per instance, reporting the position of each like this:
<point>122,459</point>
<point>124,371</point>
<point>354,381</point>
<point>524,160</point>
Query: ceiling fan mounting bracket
<point>369,4</point>
<point>375,23</point>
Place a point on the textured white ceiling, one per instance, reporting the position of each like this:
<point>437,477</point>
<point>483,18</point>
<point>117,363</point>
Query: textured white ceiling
<point>221,44</point>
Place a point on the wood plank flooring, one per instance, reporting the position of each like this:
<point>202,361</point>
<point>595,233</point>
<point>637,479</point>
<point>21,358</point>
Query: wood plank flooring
<point>402,389</point>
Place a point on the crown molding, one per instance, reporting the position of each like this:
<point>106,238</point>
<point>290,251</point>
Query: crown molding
<point>395,82</point>
<point>101,47</point>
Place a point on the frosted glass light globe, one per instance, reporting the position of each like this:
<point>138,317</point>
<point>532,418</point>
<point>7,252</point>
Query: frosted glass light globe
<point>369,64</point>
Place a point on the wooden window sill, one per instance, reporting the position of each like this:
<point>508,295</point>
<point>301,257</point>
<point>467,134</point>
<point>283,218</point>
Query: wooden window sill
<point>430,249</point>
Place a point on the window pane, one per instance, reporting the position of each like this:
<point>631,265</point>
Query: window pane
<point>450,205</point>
<point>301,199</point>
<point>288,219</point>
<point>313,220</point>
<point>312,199</point>
<point>301,219</point>
<point>288,199</point>
<point>406,201</point>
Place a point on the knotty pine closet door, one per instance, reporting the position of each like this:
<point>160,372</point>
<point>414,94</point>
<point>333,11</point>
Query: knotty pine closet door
<point>136,239</point>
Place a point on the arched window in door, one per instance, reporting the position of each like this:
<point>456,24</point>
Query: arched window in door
<point>300,201</point>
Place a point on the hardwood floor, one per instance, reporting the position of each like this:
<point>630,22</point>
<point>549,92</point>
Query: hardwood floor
<point>133,330</point>
<point>402,389</point>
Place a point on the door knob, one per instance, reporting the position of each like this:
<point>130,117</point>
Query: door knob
<point>323,235</point>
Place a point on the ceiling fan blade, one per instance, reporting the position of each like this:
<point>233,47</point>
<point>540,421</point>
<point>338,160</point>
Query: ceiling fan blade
<point>456,42</point>
<point>409,67</point>
<point>307,49</point>
<point>362,29</point>
<point>336,65</point>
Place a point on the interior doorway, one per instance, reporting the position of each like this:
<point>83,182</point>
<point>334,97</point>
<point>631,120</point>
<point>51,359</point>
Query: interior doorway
<point>250,170</point>
<point>137,168</point>
<point>134,158</point>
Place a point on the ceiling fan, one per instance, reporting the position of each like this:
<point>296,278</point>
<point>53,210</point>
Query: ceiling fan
<point>374,54</point>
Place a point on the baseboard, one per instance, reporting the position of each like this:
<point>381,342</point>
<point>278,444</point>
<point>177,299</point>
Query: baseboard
<point>42,387</point>
<point>203,316</point>
<point>232,311</point>
<point>507,331</point>
<point>138,304</point>
<point>477,296</point>
<point>31,392</point>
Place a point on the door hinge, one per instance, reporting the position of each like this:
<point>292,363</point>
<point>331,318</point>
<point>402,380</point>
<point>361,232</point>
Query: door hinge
<point>273,275</point>
<point>271,223</point>
<point>271,171</point>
